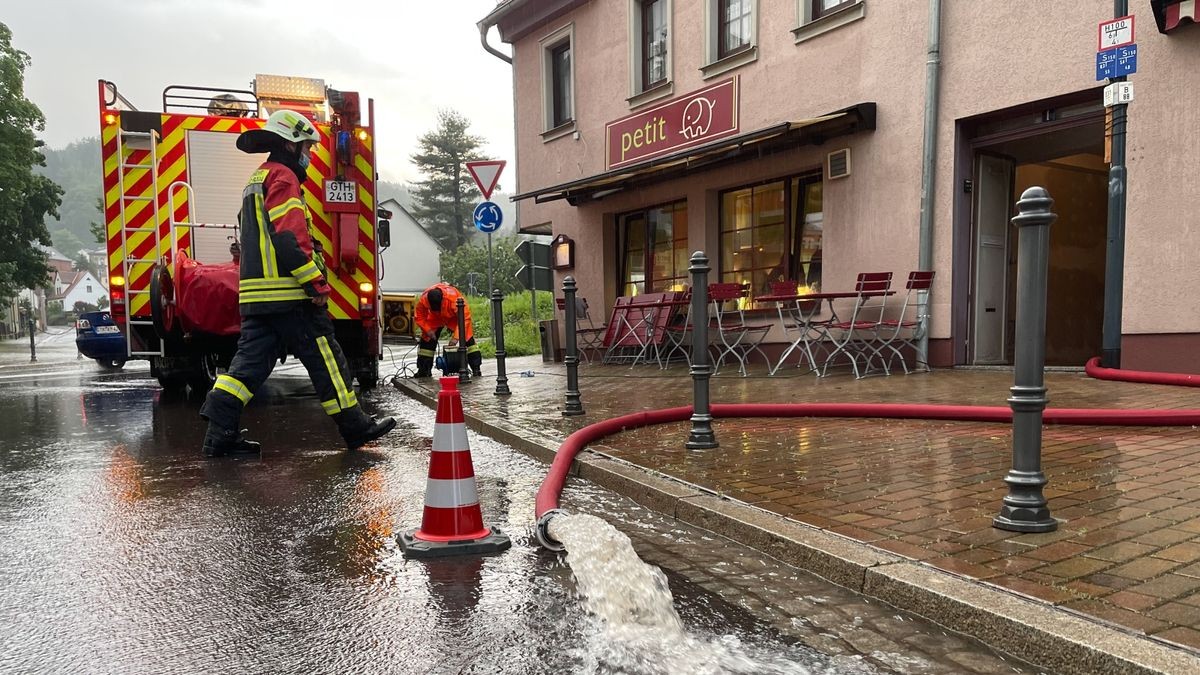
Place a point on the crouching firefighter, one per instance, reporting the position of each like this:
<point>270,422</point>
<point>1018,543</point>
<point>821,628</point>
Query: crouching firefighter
<point>282,296</point>
<point>436,309</point>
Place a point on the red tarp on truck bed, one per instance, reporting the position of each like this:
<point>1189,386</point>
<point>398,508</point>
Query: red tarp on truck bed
<point>206,296</point>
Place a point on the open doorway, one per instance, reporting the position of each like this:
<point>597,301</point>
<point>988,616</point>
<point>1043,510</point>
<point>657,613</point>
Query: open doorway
<point>1070,164</point>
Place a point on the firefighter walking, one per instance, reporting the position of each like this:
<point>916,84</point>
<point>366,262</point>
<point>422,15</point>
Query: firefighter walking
<point>437,308</point>
<point>282,296</point>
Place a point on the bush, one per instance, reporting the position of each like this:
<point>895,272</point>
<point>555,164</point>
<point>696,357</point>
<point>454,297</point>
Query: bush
<point>55,315</point>
<point>521,334</point>
<point>467,266</point>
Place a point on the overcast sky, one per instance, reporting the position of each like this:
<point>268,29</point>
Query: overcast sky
<point>412,57</point>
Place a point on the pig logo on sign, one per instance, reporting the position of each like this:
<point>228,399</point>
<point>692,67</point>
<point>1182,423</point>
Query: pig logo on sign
<point>697,118</point>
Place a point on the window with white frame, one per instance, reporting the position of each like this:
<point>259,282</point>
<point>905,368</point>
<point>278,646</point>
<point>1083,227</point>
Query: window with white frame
<point>558,79</point>
<point>823,8</point>
<point>651,40</point>
<point>821,16</point>
<point>735,19</point>
<point>732,29</point>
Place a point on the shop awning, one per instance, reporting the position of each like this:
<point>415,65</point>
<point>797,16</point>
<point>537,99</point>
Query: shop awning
<point>1170,14</point>
<point>776,138</point>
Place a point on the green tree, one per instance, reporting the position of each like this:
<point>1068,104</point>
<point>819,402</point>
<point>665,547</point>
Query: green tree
<point>443,203</point>
<point>460,265</point>
<point>96,227</point>
<point>66,242</point>
<point>83,264</point>
<point>26,198</point>
<point>77,169</point>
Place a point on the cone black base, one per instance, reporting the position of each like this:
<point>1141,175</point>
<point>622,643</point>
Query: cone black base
<point>419,548</point>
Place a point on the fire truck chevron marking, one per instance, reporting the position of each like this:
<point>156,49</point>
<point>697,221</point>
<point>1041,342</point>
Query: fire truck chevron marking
<point>140,223</point>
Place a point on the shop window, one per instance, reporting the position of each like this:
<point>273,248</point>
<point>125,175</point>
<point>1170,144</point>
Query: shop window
<point>654,253</point>
<point>558,83</point>
<point>772,232</point>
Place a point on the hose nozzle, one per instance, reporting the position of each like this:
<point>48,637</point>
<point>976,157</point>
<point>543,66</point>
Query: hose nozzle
<point>542,530</point>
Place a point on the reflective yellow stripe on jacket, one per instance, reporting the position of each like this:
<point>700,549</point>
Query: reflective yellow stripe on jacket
<point>270,290</point>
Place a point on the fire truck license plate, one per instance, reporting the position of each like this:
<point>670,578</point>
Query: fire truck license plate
<point>340,191</point>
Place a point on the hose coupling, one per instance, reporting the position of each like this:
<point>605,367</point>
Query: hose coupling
<point>542,530</point>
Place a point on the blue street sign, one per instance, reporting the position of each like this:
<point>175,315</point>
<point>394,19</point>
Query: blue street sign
<point>1116,62</point>
<point>488,216</point>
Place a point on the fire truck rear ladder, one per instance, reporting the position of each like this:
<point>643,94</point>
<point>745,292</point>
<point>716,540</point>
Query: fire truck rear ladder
<point>129,263</point>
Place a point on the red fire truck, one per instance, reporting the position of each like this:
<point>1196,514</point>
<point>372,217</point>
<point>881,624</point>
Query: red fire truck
<point>173,184</point>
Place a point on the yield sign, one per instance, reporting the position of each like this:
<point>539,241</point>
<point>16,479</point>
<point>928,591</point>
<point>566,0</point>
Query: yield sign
<point>486,175</point>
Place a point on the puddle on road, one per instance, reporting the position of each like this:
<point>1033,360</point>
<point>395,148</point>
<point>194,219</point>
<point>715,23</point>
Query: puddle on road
<point>122,550</point>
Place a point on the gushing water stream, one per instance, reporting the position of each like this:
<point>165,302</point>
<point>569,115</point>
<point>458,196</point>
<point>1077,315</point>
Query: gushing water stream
<point>640,630</point>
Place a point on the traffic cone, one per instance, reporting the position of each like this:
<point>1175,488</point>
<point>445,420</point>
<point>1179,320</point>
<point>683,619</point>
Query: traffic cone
<point>452,523</point>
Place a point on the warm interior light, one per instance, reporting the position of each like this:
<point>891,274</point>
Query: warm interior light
<point>117,281</point>
<point>366,287</point>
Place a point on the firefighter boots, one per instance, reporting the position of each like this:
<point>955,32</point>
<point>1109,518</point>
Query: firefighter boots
<point>220,442</point>
<point>357,429</point>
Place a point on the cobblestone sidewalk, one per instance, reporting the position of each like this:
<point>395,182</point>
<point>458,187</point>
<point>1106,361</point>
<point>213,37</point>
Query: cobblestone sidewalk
<point>1128,547</point>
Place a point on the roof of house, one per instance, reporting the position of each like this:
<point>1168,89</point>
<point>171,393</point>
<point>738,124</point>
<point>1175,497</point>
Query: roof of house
<point>80,276</point>
<point>393,205</point>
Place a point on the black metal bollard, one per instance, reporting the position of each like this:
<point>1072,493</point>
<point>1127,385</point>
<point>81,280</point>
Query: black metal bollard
<point>498,336</point>
<point>32,346</point>
<point>574,405</point>
<point>701,436</point>
<point>463,373</point>
<point>1025,508</point>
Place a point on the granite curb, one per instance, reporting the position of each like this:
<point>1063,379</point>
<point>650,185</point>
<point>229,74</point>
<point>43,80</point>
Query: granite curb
<point>1051,637</point>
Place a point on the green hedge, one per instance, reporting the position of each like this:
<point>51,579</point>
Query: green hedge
<point>521,335</point>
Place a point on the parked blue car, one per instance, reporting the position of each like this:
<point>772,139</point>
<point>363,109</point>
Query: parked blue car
<point>99,338</point>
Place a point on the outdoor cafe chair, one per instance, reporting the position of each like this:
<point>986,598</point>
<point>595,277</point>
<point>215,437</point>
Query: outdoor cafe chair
<point>617,333</point>
<point>588,336</point>
<point>800,325</point>
<point>634,334</point>
<point>677,334</point>
<point>906,330</point>
<point>734,337</point>
<point>858,338</point>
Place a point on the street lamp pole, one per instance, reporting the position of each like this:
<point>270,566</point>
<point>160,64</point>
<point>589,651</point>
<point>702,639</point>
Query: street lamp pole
<point>1114,256</point>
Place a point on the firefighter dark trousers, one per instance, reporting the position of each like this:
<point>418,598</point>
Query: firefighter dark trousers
<point>307,332</point>
<point>427,350</point>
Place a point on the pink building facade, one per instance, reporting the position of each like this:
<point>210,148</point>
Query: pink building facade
<point>785,138</point>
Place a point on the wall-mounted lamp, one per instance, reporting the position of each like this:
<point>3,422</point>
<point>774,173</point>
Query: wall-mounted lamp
<point>562,252</point>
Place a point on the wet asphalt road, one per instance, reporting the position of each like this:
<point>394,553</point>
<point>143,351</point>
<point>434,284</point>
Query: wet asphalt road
<point>122,550</point>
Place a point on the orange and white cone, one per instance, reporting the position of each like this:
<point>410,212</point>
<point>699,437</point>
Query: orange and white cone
<point>453,522</point>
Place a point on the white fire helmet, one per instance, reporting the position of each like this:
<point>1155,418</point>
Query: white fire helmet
<point>286,124</point>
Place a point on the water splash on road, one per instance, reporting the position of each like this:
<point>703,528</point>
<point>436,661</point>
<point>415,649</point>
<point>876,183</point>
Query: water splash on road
<point>640,630</point>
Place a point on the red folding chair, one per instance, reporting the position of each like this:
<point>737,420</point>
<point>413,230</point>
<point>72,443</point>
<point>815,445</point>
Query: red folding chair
<point>677,331</point>
<point>733,336</point>
<point>615,333</point>
<point>910,326</point>
<point>857,337</point>
<point>800,325</point>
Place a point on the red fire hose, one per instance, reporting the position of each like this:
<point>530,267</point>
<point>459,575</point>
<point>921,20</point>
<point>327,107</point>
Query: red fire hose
<point>547,497</point>
<point>1094,369</point>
